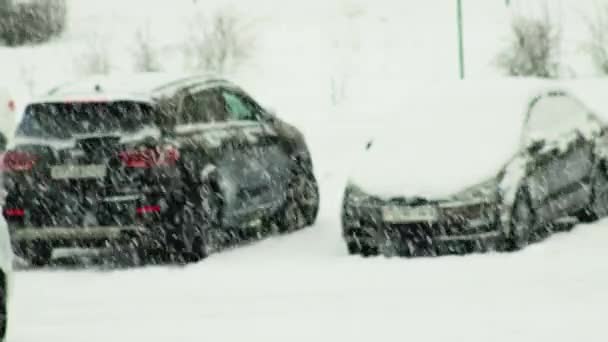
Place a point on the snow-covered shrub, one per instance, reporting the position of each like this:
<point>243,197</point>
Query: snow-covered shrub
<point>31,22</point>
<point>597,45</point>
<point>145,57</point>
<point>219,43</point>
<point>534,49</point>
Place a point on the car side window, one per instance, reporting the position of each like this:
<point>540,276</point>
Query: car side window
<point>203,107</point>
<point>554,115</point>
<point>238,107</point>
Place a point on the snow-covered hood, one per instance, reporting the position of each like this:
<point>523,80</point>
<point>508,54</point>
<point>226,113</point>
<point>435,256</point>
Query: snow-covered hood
<point>443,138</point>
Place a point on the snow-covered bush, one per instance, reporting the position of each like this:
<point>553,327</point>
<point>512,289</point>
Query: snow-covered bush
<point>145,57</point>
<point>31,22</point>
<point>219,43</point>
<point>534,49</point>
<point>597,45</point>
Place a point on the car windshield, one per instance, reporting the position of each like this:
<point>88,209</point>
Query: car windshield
<point>64,120</point>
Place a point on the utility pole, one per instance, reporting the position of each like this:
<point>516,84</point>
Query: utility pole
<point>460,40</point>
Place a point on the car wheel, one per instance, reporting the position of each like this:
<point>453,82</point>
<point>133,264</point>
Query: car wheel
<point>599,203</point>
<point>3,306</point>
<point>522,222</point>
<point>301,203</point>
<point>37,253</point>
<point>353,248</point>
<point>307,190</point>
<point>362,249</point>
<point>356,245</point>
<point>208,221</point>
<point>182,227</point>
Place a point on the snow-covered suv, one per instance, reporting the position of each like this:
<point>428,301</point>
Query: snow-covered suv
<point>442,184</point>
<point>154,162</point>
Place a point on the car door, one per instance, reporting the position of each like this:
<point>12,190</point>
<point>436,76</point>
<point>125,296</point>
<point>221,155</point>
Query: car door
<point>204,118</point>
<point>273,160</point>
<point>562,156</point>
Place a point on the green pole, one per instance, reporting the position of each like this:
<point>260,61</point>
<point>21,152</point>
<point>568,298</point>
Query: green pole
<point>460,41</point>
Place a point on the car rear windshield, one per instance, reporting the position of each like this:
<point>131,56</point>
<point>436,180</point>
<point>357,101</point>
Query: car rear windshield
<point>64,120</point>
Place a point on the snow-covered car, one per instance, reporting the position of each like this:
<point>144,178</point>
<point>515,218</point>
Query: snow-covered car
<point>474,170</point>
<point>157,163</point>
<point>7,116</point>
<point>6,267</point>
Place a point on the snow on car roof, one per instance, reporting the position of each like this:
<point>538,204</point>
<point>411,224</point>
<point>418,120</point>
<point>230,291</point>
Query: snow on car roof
<point>440,138</point>
<point>92,97</point>
<point>134,87</point>
<point>140,83</point>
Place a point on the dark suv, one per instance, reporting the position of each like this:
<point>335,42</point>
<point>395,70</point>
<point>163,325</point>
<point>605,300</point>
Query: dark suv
<point>183,166</point>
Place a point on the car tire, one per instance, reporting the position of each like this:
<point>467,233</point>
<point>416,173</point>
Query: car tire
<point>308,197</point>
<point>180,226</point>
<point>209,220</point>
<point>369,251</point>
<point>196,217</point>
<point>353,248</point>
<point>362,249</point>
<point>3,306</point>
<point>301,203</point>
<point>522,223</point>
<point>598,208</point>
<point>36,253</point>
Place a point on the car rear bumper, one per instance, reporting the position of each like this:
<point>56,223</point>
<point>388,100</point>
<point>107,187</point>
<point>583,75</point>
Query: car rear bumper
<point>94,236</point>
<point>75,233</point>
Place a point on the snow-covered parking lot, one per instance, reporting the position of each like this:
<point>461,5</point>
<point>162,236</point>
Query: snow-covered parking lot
<point>305,288</point>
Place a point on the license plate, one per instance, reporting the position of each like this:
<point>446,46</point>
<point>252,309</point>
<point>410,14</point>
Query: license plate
<point>399,214</point>
<point>78,171</point>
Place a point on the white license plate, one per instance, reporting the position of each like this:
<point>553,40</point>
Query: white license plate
<point>78,171</point>
<point>402,214</point>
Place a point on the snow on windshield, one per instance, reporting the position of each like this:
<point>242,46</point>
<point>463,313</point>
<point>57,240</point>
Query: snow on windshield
<point>553,116</point>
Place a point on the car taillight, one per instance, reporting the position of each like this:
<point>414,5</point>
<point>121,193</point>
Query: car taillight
<point>150,157</point>
<point>14,212</point>
<point>17,161</point>
<point>148,209</point>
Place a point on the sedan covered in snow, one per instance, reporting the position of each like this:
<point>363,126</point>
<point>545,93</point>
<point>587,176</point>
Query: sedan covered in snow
<point>478,169</point>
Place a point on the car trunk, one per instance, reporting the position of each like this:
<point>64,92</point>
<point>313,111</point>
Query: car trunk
<point>78,175</point>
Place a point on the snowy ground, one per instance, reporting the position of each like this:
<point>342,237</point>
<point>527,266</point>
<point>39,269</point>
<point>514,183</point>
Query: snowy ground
<point>305,288</point>
<point>326,66</point>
